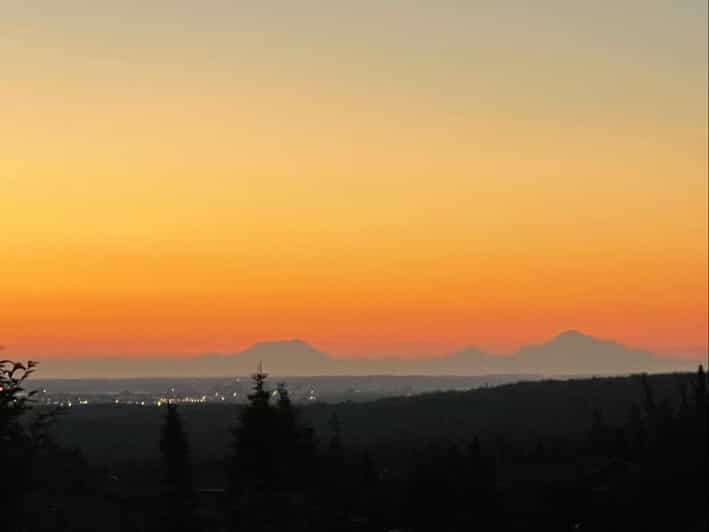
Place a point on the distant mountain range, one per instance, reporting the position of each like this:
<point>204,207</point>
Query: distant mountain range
<point>569,353</point>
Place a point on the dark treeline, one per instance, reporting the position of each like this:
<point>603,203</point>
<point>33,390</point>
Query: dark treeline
<point>597,454</point>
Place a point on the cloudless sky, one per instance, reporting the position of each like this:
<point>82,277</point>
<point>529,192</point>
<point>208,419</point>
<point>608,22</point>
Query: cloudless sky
<point>382,178</point>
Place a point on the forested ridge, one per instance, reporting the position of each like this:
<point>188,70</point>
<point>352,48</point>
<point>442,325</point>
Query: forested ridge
<point>624,453</point>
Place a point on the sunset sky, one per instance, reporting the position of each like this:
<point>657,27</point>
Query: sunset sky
<point>374,177</point>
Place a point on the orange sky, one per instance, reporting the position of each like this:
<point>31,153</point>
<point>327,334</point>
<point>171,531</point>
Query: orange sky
<point>400,181</point>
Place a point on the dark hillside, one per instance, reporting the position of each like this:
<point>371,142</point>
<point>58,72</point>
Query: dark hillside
<point>523,411</point>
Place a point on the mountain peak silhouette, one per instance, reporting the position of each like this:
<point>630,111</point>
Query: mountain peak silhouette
<point>282,356</point>
<point>571,352</point>
<point>572,333</point>
<point>294,343</point>
<point>575,336</point>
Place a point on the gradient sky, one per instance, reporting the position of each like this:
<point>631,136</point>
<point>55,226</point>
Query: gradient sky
<point>381,178</point>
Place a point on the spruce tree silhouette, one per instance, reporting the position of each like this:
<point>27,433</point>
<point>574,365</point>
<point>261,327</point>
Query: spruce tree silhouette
<point>285,459</point>
<point>178,514</point>
<point>287,429</point>
<point>272,463</point>
<point>652,415</point>
<point>335,496</point>
<point>254,470</point>
<point>295,462</point>
<point>648,397</point>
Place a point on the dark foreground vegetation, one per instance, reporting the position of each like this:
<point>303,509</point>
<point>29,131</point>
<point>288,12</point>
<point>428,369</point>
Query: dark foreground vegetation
<point>626,453</point>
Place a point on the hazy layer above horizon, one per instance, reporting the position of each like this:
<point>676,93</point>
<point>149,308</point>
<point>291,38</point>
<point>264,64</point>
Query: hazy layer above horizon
<point>569,353</point>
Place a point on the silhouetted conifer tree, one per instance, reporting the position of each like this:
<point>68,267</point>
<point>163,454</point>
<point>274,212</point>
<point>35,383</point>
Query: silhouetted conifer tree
<point>295,464</point>
<point>272,464</point>
<point>177,478</point>
<point>648,397</point>
<point>287,427</point>
<point>254,470</point>
<point>334,479</point>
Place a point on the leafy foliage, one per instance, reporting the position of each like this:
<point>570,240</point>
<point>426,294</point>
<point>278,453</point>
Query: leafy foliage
<point>13,396</point>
